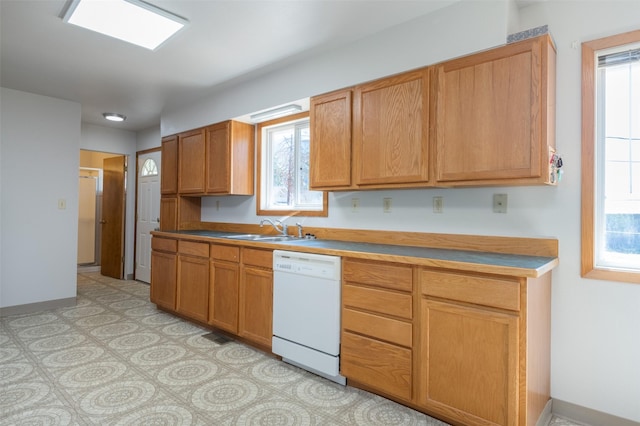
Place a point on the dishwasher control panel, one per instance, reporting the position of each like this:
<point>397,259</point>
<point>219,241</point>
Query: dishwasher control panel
<point>313,265</point>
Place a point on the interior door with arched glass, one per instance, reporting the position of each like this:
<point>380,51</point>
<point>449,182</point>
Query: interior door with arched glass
<point>148,211</point>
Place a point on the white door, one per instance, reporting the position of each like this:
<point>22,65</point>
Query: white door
<point>148,214</point>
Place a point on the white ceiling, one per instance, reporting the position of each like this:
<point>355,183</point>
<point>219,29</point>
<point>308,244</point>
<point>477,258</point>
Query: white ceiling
<point>224,41</point>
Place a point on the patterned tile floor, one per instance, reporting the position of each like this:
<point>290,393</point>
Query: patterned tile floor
<point>114,359</point>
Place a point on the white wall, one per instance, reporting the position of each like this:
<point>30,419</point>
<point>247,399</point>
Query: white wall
<point>595,324</point>
<point>40,139</point>
<point>108,139</point>
<point>148,138</point>
<point>423,41</point>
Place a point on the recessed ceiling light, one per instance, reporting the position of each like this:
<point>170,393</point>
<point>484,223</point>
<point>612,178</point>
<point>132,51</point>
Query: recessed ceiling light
<point>112,116</point>
<point>133,21</point>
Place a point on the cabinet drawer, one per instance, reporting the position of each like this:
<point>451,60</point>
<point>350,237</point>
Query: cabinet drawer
<point>380,301</point>
<point>228,253</point>
<point>193,248</point>
<point>262,258</point>
<point>498,293</point>
<point>387,329</point>
<point>164,244</point>
<point>380,365</point>
<point>379,274</point>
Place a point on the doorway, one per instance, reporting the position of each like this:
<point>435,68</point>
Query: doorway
<point>102,213</point>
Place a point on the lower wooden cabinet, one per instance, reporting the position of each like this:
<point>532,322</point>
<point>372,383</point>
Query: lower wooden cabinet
<point>484,347</point>
<point>376,348</point>
<point>193,280</point>
<point>164,266</point>
<point>377,364</point>
<point>469,367</point>
<point>256,296</point>
<point>470,348</point>
<point>224,287</point>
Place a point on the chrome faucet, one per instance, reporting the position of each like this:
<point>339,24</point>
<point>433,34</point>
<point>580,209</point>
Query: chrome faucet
<point>299,225</point>
<point>283,226</point>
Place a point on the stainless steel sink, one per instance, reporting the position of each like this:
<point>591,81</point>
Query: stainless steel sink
<point>260,237</point>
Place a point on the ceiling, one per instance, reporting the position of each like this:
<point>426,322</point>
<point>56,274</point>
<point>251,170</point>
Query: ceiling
<point>225,41</point>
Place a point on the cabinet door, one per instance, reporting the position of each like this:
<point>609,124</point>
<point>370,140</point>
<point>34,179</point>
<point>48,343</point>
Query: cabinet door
<point>469,364</point>
<point>256,305</point>
<point>218,158</point>
<point>169,169</point>
<point>494,114</point>
<point>191,160</point>
<point>193,287</point>
<point>330,144</point>
<point>163,279</point>
<point>391,130</point>
<point>229,161</point>
<point>168,213</point>
<point>223,296</point>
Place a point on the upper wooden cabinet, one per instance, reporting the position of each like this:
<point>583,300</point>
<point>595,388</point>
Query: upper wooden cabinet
<point>216,159</point>
<point>229,158</point>
<point>484,119</point>
<point>330,145</point>
<point>391,130</point>
<point>169,169</point>
<point>375,135</point>
<point>191,162</point>
<point>495,115</point>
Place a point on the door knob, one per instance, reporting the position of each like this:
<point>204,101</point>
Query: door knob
<point>103,222</point>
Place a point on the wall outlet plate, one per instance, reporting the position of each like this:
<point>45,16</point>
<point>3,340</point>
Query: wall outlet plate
<point>386,205</point>
<point>499,203</point>
<point>438,204</point>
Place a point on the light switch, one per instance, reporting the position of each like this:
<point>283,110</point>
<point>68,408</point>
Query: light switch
<point>62,204</point>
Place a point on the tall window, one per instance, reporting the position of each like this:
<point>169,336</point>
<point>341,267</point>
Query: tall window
<point>611,158</point>
<point>284,175</point>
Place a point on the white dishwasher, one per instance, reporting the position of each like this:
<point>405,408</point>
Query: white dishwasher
<point>306,312</point>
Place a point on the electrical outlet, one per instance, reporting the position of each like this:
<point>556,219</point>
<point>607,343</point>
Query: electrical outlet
<point>355,205</point>
<point>438,204</point>
<point>499,203</point>
<point>386,205</point>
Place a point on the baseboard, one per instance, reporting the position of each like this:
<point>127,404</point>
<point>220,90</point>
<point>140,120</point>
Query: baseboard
<point>545,416</point>
<point>29,308</point>
<point>588,416</point>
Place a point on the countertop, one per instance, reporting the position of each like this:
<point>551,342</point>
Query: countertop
<point>486,262</point>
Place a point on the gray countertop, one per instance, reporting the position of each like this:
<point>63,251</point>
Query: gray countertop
<point>500,263</point>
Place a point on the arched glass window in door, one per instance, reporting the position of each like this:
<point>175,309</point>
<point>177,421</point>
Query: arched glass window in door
<point>149,168</point>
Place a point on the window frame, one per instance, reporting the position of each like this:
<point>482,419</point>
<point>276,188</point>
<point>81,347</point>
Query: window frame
<point>588,268</point>
<point>266,212</point>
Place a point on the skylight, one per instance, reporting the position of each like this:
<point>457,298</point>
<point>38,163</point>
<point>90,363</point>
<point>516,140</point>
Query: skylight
<point>132,21</point>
